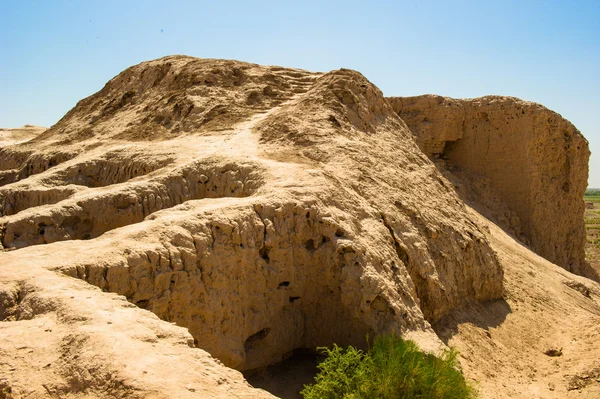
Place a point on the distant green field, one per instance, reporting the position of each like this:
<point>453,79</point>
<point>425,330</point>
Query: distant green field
<point>592,226</point>
<point>592,192</point>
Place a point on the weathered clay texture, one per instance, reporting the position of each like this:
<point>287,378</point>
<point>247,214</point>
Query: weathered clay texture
<point>264,209</point>
<point>63,338</point>
<point>535,161</point>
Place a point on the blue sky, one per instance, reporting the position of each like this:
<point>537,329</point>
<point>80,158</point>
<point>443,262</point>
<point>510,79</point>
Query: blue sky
<point>54,53</point>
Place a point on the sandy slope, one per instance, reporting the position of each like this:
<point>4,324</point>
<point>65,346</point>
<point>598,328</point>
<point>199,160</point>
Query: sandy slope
<point>502,343</point>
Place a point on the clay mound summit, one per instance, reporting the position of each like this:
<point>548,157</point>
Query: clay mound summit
<point>266,210</point>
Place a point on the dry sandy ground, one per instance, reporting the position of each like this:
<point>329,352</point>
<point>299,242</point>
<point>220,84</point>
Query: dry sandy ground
<point>10,136</point>
<point>64,338</point>
<point>503,343</point>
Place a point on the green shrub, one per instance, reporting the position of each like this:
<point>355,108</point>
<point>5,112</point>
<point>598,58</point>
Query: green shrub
<point>392,368</point>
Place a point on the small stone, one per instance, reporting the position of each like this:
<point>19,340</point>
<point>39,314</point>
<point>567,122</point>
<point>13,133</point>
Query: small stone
<point>553,352</point>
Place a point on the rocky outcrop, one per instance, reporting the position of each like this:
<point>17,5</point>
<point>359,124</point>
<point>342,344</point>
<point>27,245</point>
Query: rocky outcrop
<point>264,209</point>
<point>198,205</point>
<point>62,337</point>
<point>533,160</point>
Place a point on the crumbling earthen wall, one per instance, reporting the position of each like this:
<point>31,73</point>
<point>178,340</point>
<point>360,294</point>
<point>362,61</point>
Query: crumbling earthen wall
<point>535,160</point>
<point>264,209</point>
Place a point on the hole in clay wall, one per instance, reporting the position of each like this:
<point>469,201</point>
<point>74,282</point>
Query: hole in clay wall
<point>264,254</point>
<point>253,341</point>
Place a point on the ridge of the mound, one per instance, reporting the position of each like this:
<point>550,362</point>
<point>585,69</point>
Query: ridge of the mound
<point>175,95</point>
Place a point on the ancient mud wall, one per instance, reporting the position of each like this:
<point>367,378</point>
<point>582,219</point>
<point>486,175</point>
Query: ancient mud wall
<point>266,209</point>
<point>85,215</point>
<point>535,160</point>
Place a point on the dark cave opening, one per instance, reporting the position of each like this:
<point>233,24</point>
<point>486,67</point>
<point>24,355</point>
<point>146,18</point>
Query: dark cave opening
<point>286,378</point>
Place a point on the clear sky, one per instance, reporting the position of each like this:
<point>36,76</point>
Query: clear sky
<point>53,53</point>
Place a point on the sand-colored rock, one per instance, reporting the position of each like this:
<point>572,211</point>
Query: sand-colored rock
<point>263,209</point>
<point>534,160</point>
<point>10,160</point>
<point>62,337</point>
<point>285,220</point>
<point>250,275</point>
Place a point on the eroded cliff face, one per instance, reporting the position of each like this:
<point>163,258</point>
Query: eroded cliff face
<point>524,162</point>
<point>264,209</point>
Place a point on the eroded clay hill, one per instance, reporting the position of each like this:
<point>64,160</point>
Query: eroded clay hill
<point>527,156</point>
<point>263,209</point>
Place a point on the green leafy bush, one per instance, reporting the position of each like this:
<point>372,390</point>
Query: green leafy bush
<point>392,368</point>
